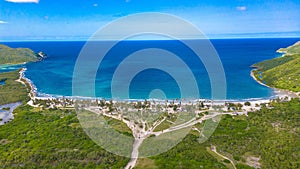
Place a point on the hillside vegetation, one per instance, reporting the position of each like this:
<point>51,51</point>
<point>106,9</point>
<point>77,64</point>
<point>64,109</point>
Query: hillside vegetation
<point>294,49</point>
<point>283,72</point>
<point>12,91</point>
<point>270,135</point>
<point>16,55</point>
<point>51,139</point>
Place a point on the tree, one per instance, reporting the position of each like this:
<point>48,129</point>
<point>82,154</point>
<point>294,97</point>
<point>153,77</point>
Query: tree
<point>239,106</point>
<point>247,103</point>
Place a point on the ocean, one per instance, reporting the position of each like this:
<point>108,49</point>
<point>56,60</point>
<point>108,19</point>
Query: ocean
<point>53,75</point>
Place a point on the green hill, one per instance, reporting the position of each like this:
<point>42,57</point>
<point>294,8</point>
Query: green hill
<point>283,72</point>
<point>294,49</point>
<point>16,55</point>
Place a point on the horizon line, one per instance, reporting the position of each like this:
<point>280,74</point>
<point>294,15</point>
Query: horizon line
<point>259,35</point>
<point>81,40</point>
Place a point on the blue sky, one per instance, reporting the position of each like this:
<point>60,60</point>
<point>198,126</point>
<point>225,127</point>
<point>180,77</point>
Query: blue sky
<point>70,19</point>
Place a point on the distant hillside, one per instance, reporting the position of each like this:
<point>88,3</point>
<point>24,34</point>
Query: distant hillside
<point>16,55</point>
<point>283,72</point>
<point>294,49</point>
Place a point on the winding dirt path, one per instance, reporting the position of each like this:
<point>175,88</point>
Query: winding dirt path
<point>214,149</point>
<point>140,134</point>
<point>135,153</point>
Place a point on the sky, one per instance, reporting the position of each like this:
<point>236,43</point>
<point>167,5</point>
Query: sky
<point>74,20</point>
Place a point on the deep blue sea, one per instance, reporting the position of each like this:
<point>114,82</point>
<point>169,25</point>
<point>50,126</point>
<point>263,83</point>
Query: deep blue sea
<point>54,74</point>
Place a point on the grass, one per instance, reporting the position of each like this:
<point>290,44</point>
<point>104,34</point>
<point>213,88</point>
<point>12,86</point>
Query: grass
<point>145,163</point>
<point>164,125</point>
<point>119,126</point>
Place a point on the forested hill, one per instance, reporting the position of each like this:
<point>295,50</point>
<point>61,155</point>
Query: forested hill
<point>16,55</point>
<point>283,72</point>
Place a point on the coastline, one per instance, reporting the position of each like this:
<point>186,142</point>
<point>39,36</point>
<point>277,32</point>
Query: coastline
<point>62,101</point>
<point>278,92</point>
<point>35,95</point>
<point>22,79</point>
<point>261,83</point>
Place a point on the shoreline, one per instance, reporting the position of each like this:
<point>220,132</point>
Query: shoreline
<point>36,95</point>
<point>279,92</point>
<point>261,83</point>
<point>22,79</point>
<point>33,94</point>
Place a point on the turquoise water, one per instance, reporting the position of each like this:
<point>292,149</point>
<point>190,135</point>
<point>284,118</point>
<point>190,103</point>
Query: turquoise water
<point>54,74</point>
<point>2,82</point>
<point>8,68</point>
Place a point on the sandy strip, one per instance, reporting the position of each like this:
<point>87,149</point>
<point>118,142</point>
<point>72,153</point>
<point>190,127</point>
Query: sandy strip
<point>22,78</point>
<point>278,92</point>
<point>261,83</point>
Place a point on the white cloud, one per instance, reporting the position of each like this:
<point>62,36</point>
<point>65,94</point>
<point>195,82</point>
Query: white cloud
<point>95,5</point>
<point>241,8</point>
<point>23,1</point>
<point>2,22</point>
